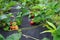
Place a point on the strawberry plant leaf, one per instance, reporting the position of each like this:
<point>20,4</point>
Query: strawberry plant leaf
<point>25,11</point>
<point>3,17</point>
<point>56,37</point>
<point>51,31</point>
<point>47,26</point>
<point>15,36</point>
<point>58,30</point>
<point>51,24</point>
<point>45,39</point>
<point>1,37</point>
<point>6,28</point>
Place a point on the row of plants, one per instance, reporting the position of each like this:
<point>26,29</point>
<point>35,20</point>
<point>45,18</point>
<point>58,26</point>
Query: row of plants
<point>38,11</point>
<point>55,32</point>
<point>41,10</point>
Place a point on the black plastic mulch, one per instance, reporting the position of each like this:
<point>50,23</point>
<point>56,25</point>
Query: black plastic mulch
<point>33,32</point>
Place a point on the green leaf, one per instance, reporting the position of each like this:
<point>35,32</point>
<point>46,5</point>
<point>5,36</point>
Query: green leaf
<point>15,36</point>
<point>45,39</point>
<point>1,37</point>
<point>6,28</point>
<point>56,37</point>
<point>47,31</point>
<point>52,25</point>
<point>25,11</point>
<point>48,26</point>
<point>37,19</point>
<point>3,17</point>
<point>10,14</point>
<point>18,21</point>
<point>58,30</point>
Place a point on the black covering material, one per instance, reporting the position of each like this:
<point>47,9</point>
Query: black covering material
<point>33,32</point>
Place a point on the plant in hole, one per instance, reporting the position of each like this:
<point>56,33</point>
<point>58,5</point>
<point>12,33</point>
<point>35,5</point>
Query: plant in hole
<point>55,32</point>
<point>15,36</point>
